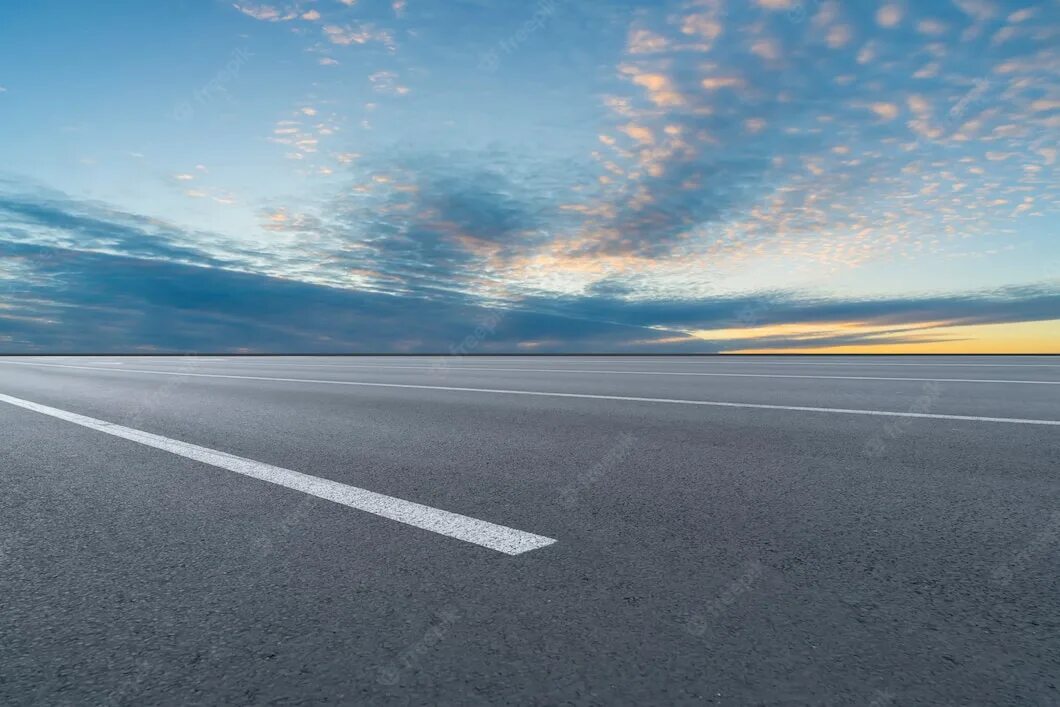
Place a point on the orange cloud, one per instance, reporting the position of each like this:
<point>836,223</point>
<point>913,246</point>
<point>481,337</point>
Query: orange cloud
<point>639,133</point>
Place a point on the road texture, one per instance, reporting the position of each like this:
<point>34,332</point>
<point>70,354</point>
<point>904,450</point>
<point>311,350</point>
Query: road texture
<point>524,530</point>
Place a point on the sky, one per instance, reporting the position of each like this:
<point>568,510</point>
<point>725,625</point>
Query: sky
<point>468,176</point>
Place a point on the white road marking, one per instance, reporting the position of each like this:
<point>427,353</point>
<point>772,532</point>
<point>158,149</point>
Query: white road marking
<point>454,525</point>
<point>645,373</point>
<point>587,396</point>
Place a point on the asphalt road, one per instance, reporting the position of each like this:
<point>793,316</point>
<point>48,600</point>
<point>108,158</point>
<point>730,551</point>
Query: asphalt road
<point>576,530</point>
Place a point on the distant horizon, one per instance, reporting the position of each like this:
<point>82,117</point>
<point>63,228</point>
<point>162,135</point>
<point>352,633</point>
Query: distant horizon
<point>248,354</point>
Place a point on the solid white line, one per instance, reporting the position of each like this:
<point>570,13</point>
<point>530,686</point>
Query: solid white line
<point>447,368</point>
<point>454,525</point>
<point>587,396</point>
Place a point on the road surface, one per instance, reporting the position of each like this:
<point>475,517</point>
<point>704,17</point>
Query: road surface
<point>523,530</point>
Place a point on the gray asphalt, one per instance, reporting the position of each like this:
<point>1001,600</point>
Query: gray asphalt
<point>704,555</point>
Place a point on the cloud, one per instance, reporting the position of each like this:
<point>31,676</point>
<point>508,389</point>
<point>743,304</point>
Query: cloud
<point>777,4</point>
<point>51,218</point>
<point>639,133</point>
<point>885,111</point>
<point>419,223</point>
<point>931,27</point>
<point>266,13</point>
<point>641,41</point>
<point>705,26</point>
<point>889,15</point>
<point>978,10</point>
<point>766,48</point>
<point>1022,15</point>
<point>751,319</point>
<point>387,82</point>
<point>754,125</point>
<point>72,270</point>
<point>364,33</point>
<point>64,299</point>
<point>78,301</point>
<point>659,87</point>
<point>713,83</point>
<point>839,36</point>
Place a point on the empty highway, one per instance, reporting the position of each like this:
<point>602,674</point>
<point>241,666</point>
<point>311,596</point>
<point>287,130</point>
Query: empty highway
<point>530,530</point>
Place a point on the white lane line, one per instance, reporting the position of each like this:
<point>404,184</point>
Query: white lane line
<point>643,373</point>
<point>587,396</point>
<point>495,537</point>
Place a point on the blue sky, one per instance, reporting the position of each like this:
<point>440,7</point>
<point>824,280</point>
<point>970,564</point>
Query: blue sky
<point>328,175</point>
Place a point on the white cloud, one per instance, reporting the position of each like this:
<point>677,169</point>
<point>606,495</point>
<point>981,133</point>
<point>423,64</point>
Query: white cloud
<point>885,111</point>
<point>978,10</point>
<point>776,4</point>
<point>1022,15</point>
<point>889,15</point>
<point>642,41</point>
<point>387,82</point>
<point>266,13</point>
<point>839,36</point>
<point>931,27</point>
<point>766,49</point>
<point>362,34</point>
<point>867,53</point>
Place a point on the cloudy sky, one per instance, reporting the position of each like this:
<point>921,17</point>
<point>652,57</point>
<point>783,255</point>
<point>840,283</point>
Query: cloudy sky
<point>476,176</point>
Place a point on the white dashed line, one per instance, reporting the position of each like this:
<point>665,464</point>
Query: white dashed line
<point>453,525</point>
<point>586,396</point>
